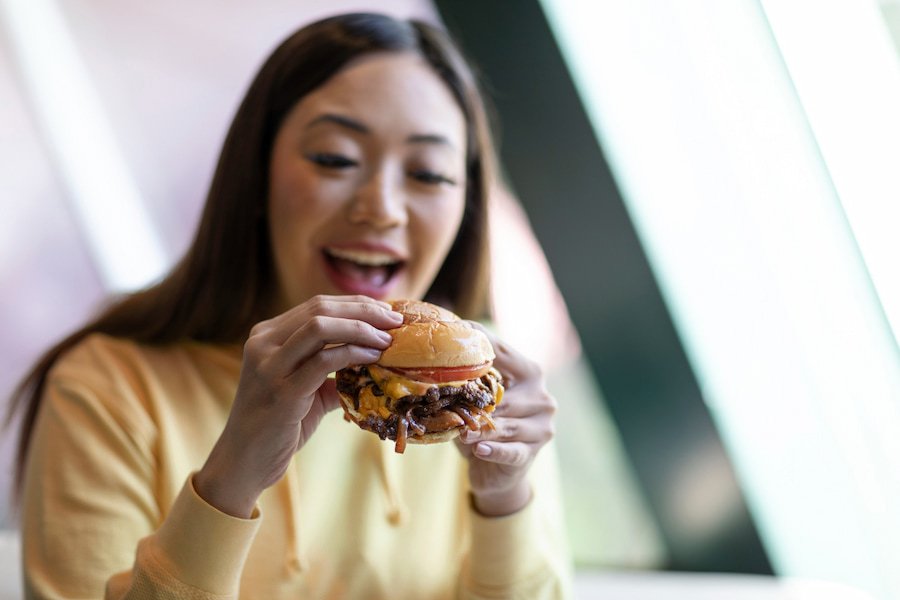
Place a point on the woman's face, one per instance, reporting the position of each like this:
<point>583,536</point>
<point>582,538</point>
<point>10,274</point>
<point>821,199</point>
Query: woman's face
<point>367,183</point>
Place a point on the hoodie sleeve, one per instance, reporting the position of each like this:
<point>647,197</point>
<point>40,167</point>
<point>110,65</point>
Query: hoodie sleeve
<point>524,555</point>
<point>197,553</point>
<point>92,526</point>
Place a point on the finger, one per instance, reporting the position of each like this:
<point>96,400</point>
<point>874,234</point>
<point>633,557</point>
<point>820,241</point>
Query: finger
<point>356,307</point>
<point>515,454</point>
<point>310,375</point>
<point>465,449</point>
<point>360,308</point>
<point>355,298</point>
<point>534,430</point>
<point>329,395</point>
<point>522,403</point>
<point>324,300</point>
<point>320,406</point>
<point>320,331</point>
<point>276,331</point>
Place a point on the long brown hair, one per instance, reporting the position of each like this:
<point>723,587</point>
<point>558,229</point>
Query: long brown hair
<point>224,283</point>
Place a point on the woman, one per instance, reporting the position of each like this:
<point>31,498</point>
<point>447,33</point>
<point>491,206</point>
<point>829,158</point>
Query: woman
<point>184,444</point>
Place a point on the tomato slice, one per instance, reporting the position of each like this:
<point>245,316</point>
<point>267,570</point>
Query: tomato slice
<point>445,374</point>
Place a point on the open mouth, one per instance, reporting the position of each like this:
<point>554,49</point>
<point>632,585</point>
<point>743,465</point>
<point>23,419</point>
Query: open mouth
<point>362,271</point>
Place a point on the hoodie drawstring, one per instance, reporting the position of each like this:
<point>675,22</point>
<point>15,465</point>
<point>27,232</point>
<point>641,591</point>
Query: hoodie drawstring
<point>295,561</point>
<point>397,511</point>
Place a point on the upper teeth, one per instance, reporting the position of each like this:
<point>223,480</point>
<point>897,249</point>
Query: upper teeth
<point>362,257</point>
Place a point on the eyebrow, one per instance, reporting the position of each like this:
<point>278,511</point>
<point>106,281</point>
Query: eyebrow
<point>339,120</point>
<point>354,125</point>
<point>429,138</point>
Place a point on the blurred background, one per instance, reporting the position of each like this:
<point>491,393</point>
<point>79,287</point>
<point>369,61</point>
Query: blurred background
<point>701,196</point>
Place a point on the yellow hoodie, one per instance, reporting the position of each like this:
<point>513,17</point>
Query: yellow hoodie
<point>109,507</point>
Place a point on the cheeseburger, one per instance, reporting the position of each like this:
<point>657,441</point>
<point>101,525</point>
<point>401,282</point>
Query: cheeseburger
<point>436,378</point>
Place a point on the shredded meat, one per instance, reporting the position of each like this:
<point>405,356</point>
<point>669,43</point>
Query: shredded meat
<point>439,409</point>
<point>471,423</point>
<point>400,446</point>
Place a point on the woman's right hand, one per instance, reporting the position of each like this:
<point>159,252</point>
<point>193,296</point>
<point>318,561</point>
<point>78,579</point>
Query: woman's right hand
<point>284,392</point>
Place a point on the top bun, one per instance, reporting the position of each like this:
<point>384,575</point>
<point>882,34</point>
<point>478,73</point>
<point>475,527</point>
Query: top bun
<point>432,336</point>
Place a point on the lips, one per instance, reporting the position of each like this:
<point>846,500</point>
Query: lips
<point>367,269</point>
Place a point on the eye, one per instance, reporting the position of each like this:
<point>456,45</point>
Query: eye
<point>331,161</point>
<point>430,177</point>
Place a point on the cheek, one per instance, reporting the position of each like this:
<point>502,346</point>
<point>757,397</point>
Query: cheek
<point>297,212</point>
<point>289,191</point>
<point>300,202</point>
<point>434,227</point>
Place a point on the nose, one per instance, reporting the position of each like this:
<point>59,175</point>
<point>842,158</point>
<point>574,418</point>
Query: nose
<point>379,202</point>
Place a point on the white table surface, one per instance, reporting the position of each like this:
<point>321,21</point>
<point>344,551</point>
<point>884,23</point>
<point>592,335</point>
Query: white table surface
<point>637,585</point>
<point>642,585</point>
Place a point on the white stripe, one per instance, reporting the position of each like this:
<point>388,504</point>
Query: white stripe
<point>847,74</point>
<point>120,235</point>
<point>736,210</point>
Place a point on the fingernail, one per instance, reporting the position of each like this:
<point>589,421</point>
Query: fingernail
<point>373,353</point>
<point>396,316</point>
<point>483,450</point>
<point>385,337</point>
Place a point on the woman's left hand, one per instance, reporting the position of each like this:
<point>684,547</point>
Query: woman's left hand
<point>499,460</point>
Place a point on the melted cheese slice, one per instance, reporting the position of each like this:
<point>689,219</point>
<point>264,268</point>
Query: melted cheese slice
<point>396,386</point>
<point>369,403</point>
